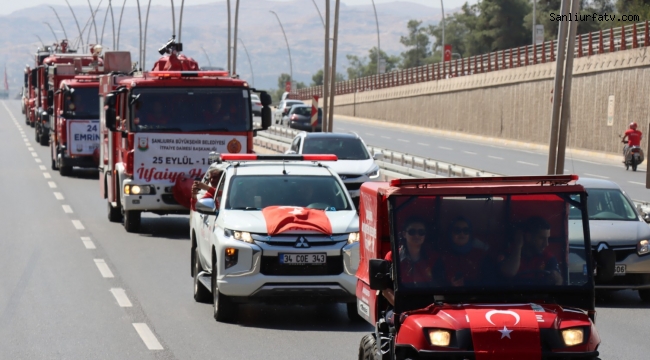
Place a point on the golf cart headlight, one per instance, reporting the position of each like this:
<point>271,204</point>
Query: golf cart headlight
<point>643,247</point>
<point>573,336</point>
<point>374,173</point>
<point>353,237</point>
<point>439,337</point>
<point>239,235</point>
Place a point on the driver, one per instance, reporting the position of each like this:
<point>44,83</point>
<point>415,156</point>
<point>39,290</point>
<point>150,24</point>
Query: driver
<point>464,258</point>
<point>155,116</point>
<point>529,260</point>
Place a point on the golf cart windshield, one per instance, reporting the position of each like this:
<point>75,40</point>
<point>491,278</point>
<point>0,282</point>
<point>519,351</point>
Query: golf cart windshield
<point>489,244</point>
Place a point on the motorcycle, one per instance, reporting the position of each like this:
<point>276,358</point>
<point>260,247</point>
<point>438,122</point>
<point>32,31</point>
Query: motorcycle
<point>633,156</point>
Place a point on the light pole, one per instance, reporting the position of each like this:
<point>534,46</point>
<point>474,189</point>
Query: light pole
<point>206,55</point>
<point>249,61</point>
<point>534,20</point>
<point>75,20</point>
<point>319,14</point>
<point>288,49</point>
<point>60,23</point>
<point>442,7</point>
<point>378,43</point>
<point>234,50</point>
<point>48,25</point>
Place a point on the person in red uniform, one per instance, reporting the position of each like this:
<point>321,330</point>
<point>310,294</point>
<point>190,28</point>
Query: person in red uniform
<point>633,137</point>
<point>463,261</point>
<point>529,261</point>
<point>416,259</point>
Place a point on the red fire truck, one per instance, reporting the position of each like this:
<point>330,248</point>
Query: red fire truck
<point>477,268</point>
<point>45,80</point>
<point>160,126</point>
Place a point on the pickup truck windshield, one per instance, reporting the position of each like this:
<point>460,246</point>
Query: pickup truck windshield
<point>81,103</point>
<point>190,109</point>
<point>255,192</point>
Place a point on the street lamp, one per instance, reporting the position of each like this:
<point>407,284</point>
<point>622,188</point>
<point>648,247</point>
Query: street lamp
<point>378,44</point>
<point>319,14</point>
<point>442,7</point>
<point>48,25</point>
<point>288,49</point>
<point>206,55</point>
<point>249,61</point>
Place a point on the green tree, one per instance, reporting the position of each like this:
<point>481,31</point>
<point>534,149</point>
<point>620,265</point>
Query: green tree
<point>282,81</point>
<point>499,26</point>
<point>457,28</point>
<point>633,7</point>
<point>366,66</point>
<point>417,45</point>
<point>317,78</point>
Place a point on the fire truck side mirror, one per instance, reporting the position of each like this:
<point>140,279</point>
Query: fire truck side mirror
<point>266,117</point>
<point>110,115</point>
<point>265,98</point>
<point>379,273</point>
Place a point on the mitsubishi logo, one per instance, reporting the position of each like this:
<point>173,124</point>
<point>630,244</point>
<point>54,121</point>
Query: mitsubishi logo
<point>602,246</point>
<point>343,177</point>
<point>301,242</point>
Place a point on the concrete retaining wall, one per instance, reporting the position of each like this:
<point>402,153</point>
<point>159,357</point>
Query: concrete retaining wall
<point>515,103</point>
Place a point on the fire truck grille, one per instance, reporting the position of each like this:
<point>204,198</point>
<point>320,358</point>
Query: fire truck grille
<point>169,199</point>
<point>271,266</point>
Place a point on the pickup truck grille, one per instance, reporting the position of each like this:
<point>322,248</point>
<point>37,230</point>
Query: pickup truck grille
<point>271,266</point>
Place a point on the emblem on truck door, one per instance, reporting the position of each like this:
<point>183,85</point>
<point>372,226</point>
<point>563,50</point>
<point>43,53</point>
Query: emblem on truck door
<point>234,146</point>
<point>301,242</point>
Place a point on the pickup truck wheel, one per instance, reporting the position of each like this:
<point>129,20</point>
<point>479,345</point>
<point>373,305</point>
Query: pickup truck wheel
<point>224,309</point>
<point>114,213</point>
<point>353,312</point>
<point>368,347</point>
<point>201,294</point>
<point>132,220</point>
<point>645,295</point>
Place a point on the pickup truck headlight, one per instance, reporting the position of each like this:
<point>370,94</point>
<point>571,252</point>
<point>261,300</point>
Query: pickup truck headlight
<point>643,247</point>
<point>439,337</point>
<point>574,336</point>
<point>239,235</point>
<point>374,173</point>
<point>353,237</point>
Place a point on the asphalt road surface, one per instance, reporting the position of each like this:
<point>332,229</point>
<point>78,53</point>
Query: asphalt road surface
<point>74,286</point>
<point>502,160</point>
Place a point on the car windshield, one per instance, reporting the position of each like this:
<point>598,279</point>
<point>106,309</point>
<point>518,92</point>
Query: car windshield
<point>190,109</point>
<point>343,148</point>
<point>255,192</point>
<point>292,103</point>
<point>301,110</point>
<point>81,103</point>
<point>488,243</point>
<point>607,204</point>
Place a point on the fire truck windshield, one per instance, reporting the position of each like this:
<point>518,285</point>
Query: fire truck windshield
<point>81,103</point>
<point>190,109</point>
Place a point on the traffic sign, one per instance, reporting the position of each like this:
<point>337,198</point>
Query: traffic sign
<point>314,111</point>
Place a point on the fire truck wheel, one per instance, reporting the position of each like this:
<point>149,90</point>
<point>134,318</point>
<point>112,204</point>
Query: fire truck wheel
<point>53,166</point>
<point>224,309</point>
<point>44,140</point>
<point>114,213</point>
<point>368,347</point>
<point>353,312</point>
<point>201,294</point>
<point>132,221</point>
<point>65,170</point>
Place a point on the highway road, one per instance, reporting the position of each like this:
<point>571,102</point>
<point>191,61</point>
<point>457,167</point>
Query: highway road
<point>75,286</point>
<point>498,159</point>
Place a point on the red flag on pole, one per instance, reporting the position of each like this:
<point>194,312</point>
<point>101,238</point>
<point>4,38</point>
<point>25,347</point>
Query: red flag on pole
<point>447,56</point>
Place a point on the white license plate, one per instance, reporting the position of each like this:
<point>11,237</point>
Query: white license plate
<point>619,270</point>
<point>303,259</point>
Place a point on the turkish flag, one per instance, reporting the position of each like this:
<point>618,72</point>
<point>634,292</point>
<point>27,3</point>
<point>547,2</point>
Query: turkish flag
<point>182,191</point>
<point>505,333</point>
<point>284,218</point>
<point>447,54</point>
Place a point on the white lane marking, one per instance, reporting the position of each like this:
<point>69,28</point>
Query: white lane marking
<point>78,225</point>
<point>67,209</point>
<point>527,163</point>
<point>598,176</point>
<point>120,296</point>
<point>30,148</point>
<point>444,148</point>
<point>402,140</point>
<point>147,336</point>
<point>58,196</point>
<point>89,244</point>
<point>47,175</point>
<point>52,184</point>
<point>423,144</point>
<point>42,167</point>
<point>371,134</point>
<point>495,157</point>
<point>103,268</point>
<point>636,183</point>
<point>469,152</point>
<point>38,160</point>
<point>590,162</point>
<point>385,137</point>
<point>34,154</point>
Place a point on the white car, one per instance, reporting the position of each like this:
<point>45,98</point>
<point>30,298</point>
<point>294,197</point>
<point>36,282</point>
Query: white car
<point>280,228</point>
<point>256,105</point>
<point>283,109</point>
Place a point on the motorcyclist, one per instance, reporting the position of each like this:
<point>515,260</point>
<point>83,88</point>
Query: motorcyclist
<point>633,137</point>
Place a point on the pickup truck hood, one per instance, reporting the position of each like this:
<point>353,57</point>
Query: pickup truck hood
<point>350,167</point>
<point>253,221</point>
<point>618,233</point>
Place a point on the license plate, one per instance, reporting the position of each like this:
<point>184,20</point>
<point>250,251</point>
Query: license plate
<point>619,270</point>
<point>303,259</point>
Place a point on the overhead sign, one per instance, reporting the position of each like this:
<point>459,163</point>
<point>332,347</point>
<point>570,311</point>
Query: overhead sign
<point>610,111</point>
<point>447,56</point>
<point>539,34</point>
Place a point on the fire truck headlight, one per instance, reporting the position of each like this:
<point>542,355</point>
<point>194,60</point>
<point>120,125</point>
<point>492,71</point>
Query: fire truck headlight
<point>573,336</point>
<point>439,337</point>
<point>137,189</point>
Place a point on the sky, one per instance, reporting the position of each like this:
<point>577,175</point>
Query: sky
<point>11,6</point>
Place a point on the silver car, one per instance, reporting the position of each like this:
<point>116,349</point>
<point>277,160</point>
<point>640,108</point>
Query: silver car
<point>256,105</point>
<point>615,224</point>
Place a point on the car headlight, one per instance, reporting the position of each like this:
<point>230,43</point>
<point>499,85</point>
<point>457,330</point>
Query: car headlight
<point>439,337</point>
<point>374,173</point>
<point>643,247</point>
<point>239,235</point>
<point>138,189</point>
<point>573,336</point>
<point>353,237</point>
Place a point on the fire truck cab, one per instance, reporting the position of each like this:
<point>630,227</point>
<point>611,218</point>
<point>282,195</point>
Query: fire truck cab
<point>476,268</point>
<point>159,126</point>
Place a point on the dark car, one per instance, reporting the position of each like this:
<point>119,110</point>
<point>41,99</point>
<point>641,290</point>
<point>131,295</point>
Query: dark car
<point>299,117</point>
